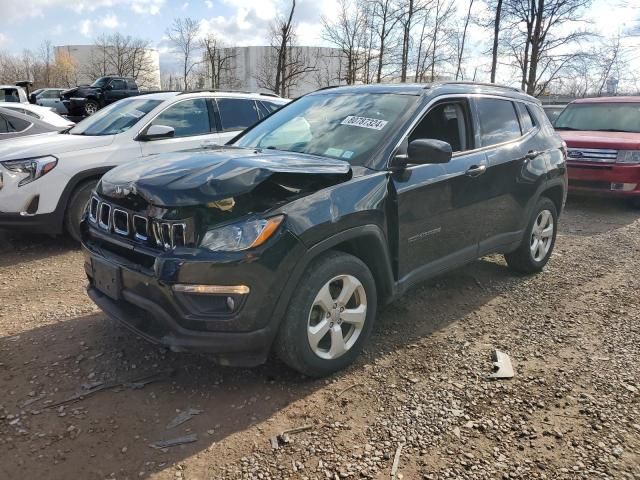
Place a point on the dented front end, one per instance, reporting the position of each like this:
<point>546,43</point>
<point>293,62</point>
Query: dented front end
<point>146,264</point>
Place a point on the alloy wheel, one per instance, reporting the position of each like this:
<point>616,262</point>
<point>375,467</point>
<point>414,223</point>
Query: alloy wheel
<point>90,108</point>
<point>337,317</point>
<point>542,235</point>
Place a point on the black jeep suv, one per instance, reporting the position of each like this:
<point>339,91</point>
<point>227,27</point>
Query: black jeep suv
<point>297,231</point>
<point>87,100</point>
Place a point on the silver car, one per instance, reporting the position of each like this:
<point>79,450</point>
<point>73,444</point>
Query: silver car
<point>50,97</point>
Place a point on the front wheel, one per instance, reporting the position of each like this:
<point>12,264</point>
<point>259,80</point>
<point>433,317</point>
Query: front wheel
<point>76,207</point>
<point>91,107</point>
<point>539,239</point>
<point>330,316</point>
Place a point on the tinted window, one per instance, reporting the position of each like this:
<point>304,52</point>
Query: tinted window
<point>264,111</point>
<point>272,107</point>
<point>24,112</point>
<point>9,94</point>
<point>118,85</point>
<point>237,114</point>
<point>447,122</point>
<point>16,124</point>
<point>51,94</point>
<point>132,85</point>
<point>526,120</point>
<point>187,118</point>
<point>4,125</point>
<point>498,121</point>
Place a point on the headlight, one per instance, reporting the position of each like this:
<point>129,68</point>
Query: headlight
<point>628,156</point>
<point>241,236</point>
<point>33,167</point>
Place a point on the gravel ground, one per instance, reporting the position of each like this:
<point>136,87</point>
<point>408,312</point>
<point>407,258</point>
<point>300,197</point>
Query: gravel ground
<point>419,393</point>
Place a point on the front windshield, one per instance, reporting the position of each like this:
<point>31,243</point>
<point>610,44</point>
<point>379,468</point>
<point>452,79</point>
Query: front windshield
<point>101,82</point>
<point>345,126</point>
<point>116,118</point>
<point>604,117</point>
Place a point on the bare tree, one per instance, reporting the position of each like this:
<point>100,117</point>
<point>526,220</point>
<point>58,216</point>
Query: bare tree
<point>462,41</point>
<point>183,34</point>
<point>541,38</point>
<point>218,61</point>
<point>496,39</point>
<point>385,19</point>
<point>348,34</point>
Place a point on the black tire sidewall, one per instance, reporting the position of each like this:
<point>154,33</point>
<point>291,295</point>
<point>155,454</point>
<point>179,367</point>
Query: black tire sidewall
<point>293,344</point>
<point>75,208</point>
<point>543,204</point>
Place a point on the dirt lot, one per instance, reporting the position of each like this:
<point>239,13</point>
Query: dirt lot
<point>572,410</point>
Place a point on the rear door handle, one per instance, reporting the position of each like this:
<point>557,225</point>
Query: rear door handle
<point>531,154</point>
<point>476,170</point>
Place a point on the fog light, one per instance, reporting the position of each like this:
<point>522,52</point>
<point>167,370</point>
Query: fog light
<point>231,304</point>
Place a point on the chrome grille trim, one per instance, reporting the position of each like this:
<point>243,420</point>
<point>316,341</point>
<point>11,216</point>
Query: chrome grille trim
<point>117,211</point>
<point>101,215</point>
<point>137,230</point>
<point>94,203</point>
<point>596,155</point>
<point>178,234</point>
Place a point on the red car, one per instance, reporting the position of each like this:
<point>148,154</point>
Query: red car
<point>603,140</point>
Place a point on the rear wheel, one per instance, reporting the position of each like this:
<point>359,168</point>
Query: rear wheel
<point>539,239</point>
<point>330,316</point>
<point>91,107</point>
<point>76,207</point>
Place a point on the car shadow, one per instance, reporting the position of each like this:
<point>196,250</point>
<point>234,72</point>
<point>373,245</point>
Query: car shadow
<point>111,430</point>
<point>591,215</point>
<point>17,248</point>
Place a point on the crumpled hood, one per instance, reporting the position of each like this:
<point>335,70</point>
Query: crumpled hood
<point>50,144</point>
<point>198,177</point>
<point>82,90</point>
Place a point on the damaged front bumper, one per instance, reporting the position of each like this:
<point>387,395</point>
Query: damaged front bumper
<point>228,305</point>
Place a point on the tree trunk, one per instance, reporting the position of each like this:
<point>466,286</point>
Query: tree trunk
<point>496,36</point>
<point>464,36</point>
<point>535,49</point>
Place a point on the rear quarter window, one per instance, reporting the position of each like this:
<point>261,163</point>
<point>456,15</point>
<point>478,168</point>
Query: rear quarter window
<point>498,121</point>
<point>237,113</point>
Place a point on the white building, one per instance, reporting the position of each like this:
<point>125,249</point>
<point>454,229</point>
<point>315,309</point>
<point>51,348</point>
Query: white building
<point>253,69</point>
<point>92,62</point>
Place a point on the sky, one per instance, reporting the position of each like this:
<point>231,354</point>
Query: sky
<point>27,23</point>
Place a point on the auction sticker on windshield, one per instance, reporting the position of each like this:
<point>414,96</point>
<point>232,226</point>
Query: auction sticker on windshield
<point>364,122</point>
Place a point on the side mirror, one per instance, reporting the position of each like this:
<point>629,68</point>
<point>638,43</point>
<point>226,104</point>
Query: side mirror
<point>32,98</point>
<point>424,151</point>
<point>157,132</point>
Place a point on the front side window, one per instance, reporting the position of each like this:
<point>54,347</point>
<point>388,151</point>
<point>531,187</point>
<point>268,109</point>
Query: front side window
<point>188,118</point>
<point>600,117</point>
<point>115,118</point>
<point>118,85</point>
<point>498,121</point>
<point>448,122</point>
<point>101,82</point>
<point>237,113</point>
<point>347,126</point>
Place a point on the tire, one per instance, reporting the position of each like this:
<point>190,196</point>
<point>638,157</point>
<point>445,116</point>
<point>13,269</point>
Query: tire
<point>91,107</point>
<point>76,208</point>
<point>537,246</point>
<point>330,274</point>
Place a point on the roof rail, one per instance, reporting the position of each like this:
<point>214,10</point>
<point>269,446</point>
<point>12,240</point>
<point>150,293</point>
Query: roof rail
<point>481,84</point>
<point>217,90</point>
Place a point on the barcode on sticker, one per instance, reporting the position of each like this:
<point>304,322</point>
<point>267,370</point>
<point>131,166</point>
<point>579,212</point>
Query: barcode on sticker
<point>364,122</point>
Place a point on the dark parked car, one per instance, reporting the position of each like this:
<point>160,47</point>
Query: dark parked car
<point>296,232</point>
<point>87,100</point>
<point>14,124</point>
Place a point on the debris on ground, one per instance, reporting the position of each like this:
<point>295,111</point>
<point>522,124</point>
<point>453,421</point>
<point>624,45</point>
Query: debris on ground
<point>396,461</point>
<point>174,442</point>
<point>502,366</point>
<point>284,438</point>
<point>183,416</point>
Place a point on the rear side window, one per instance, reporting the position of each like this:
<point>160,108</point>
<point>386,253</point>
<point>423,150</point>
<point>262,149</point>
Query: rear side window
<point>14,124</point>
<point>498,121</point>
<point>132,85</point>
<point>237,113</point>
<point>188,118</point>
<point>25,112</point>
<point>527,123</point>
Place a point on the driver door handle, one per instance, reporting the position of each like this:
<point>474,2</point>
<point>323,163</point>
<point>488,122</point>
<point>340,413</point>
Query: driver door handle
<point>476,170</point>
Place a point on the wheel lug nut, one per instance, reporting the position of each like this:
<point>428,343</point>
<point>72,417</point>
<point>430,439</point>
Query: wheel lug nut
<point>342,309</point>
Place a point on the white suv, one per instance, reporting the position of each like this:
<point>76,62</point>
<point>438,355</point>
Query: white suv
<point>45,182</point>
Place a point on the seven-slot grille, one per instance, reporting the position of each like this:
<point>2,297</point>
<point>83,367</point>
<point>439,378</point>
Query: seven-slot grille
<point>596,155</point>
<point>165,234</point>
